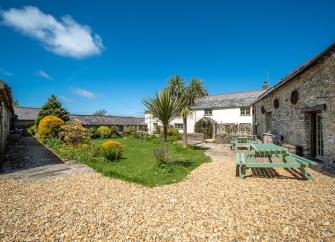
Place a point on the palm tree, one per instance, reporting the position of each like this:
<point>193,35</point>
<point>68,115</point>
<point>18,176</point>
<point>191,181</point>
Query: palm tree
<point>193,92</point>
<point>165,108</point>
<point>190,93</point>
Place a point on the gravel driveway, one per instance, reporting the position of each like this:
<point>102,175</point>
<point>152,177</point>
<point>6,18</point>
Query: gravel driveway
<point>211,204</point>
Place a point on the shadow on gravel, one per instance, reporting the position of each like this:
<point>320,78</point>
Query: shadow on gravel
<point>25,154</point>
<point>272,173</point>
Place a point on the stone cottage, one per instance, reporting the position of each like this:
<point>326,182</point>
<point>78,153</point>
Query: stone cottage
<point>26,117</point>
<point>6,113</point>
<point>300,109</point>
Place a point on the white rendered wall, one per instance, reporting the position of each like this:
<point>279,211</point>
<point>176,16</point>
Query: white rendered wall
<point>224,115</point>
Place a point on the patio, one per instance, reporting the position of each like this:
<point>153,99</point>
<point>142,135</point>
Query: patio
<point>212,204</point>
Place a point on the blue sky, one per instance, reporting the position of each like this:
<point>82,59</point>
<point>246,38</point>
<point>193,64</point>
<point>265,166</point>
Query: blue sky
<point>112,54</point>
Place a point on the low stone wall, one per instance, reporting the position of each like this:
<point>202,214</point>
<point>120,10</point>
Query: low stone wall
<point>198,137</point>
<point>224,138</point>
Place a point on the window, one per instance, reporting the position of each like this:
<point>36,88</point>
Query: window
<point>178,126</point>
<point>245,111</point>
<point>208,112</point>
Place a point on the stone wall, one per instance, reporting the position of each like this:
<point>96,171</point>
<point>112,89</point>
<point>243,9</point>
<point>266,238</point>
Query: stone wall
<point>5,120</point>
<point>225,133</point>
<point>316,86</point>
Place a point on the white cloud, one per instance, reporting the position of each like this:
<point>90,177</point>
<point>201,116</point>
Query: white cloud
<point>43,74</point>
<point>83,92</point>
<point>66,100</point>
<point>64,37</point>
<point>4,72</point>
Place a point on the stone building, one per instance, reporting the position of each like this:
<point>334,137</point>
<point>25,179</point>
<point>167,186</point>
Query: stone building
<point>300,109</point>
<point>6,114</point>
<point>26,117</point>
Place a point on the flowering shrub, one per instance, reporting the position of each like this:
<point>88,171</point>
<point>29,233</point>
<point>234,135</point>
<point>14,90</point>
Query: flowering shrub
<point>104,131</point>
<point>114,130</point>
<point>31,130</point>
<point>94,133</point>
<point>49,127</point>
<point>112,150</point>
<point>130,130</point>
<point>74,133</point>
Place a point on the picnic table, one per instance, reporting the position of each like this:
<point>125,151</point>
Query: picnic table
<point>258,152</point>
<point>242,141</point>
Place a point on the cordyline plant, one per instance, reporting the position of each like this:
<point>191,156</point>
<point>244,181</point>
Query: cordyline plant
<point>190,94</point>
<point>165,108</point>
<point>74,133</point>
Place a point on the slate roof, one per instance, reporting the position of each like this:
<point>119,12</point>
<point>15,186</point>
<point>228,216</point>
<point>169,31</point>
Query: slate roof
<point>28,113</point>
<point>228,100</point>
<point>298,71</point>
<point>108,120</point>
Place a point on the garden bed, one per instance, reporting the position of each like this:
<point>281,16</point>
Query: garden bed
<point>138,163</point>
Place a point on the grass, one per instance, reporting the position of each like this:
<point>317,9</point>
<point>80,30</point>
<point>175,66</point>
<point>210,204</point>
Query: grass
<point>139,165</point>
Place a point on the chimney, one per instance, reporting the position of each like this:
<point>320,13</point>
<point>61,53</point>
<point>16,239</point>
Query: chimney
<point>265,86</point>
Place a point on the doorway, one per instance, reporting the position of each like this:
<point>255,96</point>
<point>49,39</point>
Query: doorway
<point>319,136</point>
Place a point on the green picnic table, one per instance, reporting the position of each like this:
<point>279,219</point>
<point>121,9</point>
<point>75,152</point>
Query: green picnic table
<point>242,141</point>
<point>254,158</point>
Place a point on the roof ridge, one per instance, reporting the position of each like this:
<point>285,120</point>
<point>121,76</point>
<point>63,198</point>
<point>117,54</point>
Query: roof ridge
<point>227,93</point>
<point>26,107</point>
<point>112,116</point>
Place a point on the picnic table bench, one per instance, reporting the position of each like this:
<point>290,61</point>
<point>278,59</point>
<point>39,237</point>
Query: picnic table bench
<point>257,151</point>
<point>242,141</point>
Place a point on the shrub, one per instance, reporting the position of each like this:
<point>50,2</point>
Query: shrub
<point>31,130</point>
<point>112,150</point>
<point>74,133</point>
<point>55,143</point>
<point>104,132</point>
<point>173,132</point>
<point>173,135</point>
<point>161,156</point>
<point>49,127</point>
<point>94,134</point>
<point>130,130</point>
<point>114,131</point>
<point>204,126</point>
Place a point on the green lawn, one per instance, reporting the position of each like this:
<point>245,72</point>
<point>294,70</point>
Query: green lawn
<point>138,163</point>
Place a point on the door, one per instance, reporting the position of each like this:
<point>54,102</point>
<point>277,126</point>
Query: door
<point>319,136</point>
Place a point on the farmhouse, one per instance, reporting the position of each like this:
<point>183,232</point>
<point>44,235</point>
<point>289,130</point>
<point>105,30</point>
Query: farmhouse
<point>223,109</point>
<point>26,117</point>
<point>300,109</point>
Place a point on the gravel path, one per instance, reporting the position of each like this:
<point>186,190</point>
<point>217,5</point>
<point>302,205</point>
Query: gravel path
<point>211,204</point>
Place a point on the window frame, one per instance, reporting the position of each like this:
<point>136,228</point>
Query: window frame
<point>245,113</point>
<point>181,126</point>
<point>208,112</point>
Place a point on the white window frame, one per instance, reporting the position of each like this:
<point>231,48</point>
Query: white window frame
<point>245,111</point>
<point>181,126</point>
<point>208,112</point>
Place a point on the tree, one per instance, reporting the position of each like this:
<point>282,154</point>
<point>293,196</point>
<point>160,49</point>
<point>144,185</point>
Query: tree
<point>165,108</point>
<point>16,103</point>
<point>53,107</point>
<point>100,112</point>
<point>190,93</point>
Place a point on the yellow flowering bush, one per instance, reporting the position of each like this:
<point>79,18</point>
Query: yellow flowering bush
<point>104,131</point>
<point>112,150</point>
<point>49,127</point>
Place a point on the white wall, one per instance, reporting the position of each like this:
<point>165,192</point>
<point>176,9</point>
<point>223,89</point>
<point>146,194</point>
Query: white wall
<point>223,115</point>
